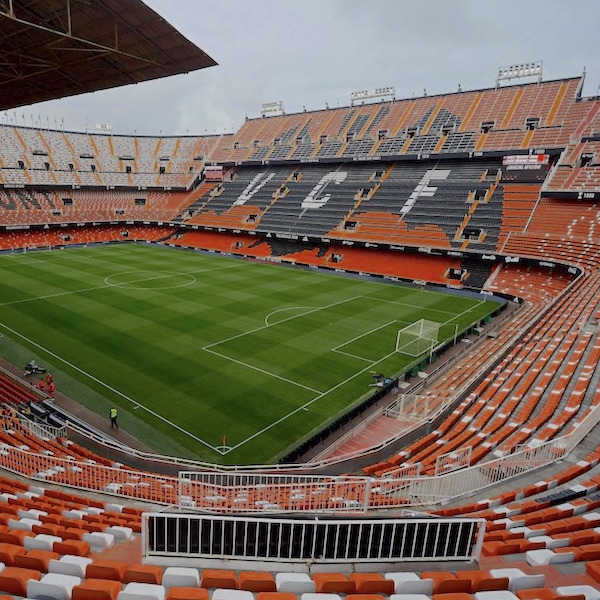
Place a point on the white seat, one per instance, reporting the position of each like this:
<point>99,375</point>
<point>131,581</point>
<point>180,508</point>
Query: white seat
<point>42,541</point>
<point>52,585</point>
<point>538,558</point>
<point>142,591</point>
<point>410,583</point>
<point>114,508</point>
<point>311,596</point>
<point>180,577</point>
<point>496,595</point>
<point>73,514</point>
<point>69,565</point>
<point>93,510</point>
<point>222,594</point>
<point>296,583</point>
<point>517,580</point>
<point>99,540</point>
<point>120,533</point>
<point>32,514</point>
<point>410,597</point>
<point>590,593</point>
<point>25,524</point>
<point>549,541</point>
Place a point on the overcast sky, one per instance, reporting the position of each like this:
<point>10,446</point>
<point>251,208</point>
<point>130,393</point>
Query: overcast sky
<point>309,52</point>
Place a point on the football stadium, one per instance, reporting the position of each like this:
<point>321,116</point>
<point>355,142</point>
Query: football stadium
<point>341,353</point>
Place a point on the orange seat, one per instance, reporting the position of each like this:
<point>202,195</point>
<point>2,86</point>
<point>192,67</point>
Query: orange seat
<point>187,593</point>
<point>13,580</point>
<point>447,583</point>
<point>143,574</point>
<point>545,594</point>
<point>8,553</point>
<point>335,583</point>
<point>37,560</point>
<point>278,596</point>
<point>48,529</point>
<point>256,582</point>
<point>372,583</point>
<point>458,596</point>
<point>215,578</point>
<point>106,569</point>
<point>364,597</point>
<point>482,581</point>
<point>15,536</point>
<point>74,547</point>
<point>96,589</point>
<point>593,569</point>
<point>73,533</point>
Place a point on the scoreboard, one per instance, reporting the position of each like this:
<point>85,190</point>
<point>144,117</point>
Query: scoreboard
<point>525,168</point>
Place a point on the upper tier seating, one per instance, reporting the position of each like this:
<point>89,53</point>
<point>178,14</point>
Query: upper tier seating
<point>429,125</point>
<point>31,156</point>
<point>578,170</point>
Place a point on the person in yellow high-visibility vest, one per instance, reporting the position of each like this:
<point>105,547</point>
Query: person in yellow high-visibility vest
<point>113,418</point>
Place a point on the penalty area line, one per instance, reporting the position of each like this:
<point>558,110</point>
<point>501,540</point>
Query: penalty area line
<point>305,406</point>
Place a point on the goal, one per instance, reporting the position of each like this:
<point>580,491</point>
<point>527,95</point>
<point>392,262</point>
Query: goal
<point>418,338</point>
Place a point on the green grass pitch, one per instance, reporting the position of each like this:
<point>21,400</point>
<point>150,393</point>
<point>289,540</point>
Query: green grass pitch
<point>195,347</point>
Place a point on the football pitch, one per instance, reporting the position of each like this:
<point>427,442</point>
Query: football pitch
<point>198,349</point>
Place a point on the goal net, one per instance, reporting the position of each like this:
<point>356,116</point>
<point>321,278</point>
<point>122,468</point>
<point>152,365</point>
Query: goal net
<point>418,338</point>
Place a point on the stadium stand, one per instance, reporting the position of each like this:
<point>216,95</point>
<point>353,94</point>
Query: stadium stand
<point>415,189</point>
<point>428,125</point>
<point>36,157</point>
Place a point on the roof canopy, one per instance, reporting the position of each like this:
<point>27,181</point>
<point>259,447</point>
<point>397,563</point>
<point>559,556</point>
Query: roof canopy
<point>55,48</point>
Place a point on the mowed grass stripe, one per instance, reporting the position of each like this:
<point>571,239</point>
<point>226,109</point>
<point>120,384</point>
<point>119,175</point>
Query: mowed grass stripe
<point>148,343</point>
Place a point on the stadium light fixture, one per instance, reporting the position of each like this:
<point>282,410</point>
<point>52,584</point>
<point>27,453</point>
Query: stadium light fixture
<point>532,69</point>
<point>382,92</point>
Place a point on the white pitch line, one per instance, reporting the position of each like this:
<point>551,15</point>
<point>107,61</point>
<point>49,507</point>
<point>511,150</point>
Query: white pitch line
<point>363,334</point>
<point>352,355</point>
<point>308,312</point>
<point>108,387</point>
<point>335,387</point>
<point>281,310</point>
<point>446,312</point>
<point>239,362</point>
<point>108,285</point>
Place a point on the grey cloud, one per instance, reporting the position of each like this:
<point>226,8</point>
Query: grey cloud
<point>314,51</point>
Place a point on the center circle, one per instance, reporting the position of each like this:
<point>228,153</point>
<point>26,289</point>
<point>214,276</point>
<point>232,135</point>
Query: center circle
<point>149,280</point>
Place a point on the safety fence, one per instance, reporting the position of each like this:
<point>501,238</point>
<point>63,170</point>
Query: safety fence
<point>306,541</point>
<point>264,493</point>
<point>242,492</point>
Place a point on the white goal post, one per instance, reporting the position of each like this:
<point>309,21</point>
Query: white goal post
<point>418,338</point>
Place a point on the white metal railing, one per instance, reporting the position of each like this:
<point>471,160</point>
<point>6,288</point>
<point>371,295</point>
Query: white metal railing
<point>276,493</point>
<point>248,492</point>
<point>41,430</point>
<point>88,475</point>
<point>406,471</point>
<point>454,460</point>
<point>306,541</point>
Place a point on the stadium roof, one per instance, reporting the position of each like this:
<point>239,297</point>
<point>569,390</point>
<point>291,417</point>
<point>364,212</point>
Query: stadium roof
<point>55,48</point>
